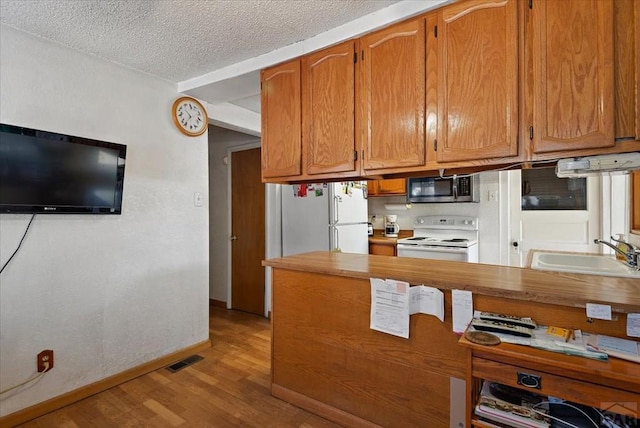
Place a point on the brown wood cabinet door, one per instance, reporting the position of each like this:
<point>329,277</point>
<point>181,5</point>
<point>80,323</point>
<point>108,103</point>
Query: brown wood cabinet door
<point>572,74</point>
<point>382,249</point>
<point>478,80</point>
<point>281,127</point>
<point>627,69</point>
<point>372,187</point>
<point>389,187</point>
<point>393,97</point>
<point>328,103</point>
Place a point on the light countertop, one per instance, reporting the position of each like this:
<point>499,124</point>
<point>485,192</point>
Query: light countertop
<point>565,289</point>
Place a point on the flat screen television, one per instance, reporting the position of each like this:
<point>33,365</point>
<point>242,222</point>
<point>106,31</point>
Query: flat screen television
<point>45,172</point>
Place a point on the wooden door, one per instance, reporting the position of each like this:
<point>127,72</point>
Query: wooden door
<point>248,232</point>
<point>328,117</point>
<point>572,57</point>
<point>393,97</point>
<point>552,229</point>
<point>478,80</point>
<point>280,115</point>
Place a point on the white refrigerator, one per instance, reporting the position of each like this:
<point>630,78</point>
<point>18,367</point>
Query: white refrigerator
<point>325,217</point>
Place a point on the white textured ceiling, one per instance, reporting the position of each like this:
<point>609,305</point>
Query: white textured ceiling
<point>180,39</point>
<point>211,49</point>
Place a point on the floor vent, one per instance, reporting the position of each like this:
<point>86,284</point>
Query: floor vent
<point>184,363</point>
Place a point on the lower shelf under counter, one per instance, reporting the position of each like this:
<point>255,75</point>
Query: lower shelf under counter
<point>594,383</point>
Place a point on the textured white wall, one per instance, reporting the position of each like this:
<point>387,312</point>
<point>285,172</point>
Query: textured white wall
<point>106,293</point>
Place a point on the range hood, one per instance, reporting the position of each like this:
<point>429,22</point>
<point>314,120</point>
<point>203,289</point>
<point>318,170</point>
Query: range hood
<point>588,165</point>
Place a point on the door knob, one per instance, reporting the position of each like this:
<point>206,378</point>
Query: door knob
<point>233,238</point>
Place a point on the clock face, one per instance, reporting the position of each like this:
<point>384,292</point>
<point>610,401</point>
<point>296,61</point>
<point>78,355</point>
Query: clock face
<point>189,116</point>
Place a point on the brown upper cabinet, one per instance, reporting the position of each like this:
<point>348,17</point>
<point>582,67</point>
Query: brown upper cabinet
<point>626,19</point>
<point>472,84</point>
<point>572,55</point>
<point>389,187</point>
<point>281,137</point>
<point>328,116</point>
<point>478,80</point>
<point>392,120</point>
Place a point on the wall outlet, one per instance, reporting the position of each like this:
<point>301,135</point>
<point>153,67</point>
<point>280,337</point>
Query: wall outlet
<point>45,357</point>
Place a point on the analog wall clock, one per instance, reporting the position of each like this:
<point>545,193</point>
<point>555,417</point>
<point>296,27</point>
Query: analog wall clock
<point>190,116</point>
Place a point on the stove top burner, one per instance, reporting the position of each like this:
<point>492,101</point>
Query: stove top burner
<point>453,232</point>
<point>428,238</point>
<point>443,241</point>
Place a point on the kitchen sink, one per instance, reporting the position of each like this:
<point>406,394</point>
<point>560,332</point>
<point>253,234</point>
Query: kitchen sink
<point>582,263</point>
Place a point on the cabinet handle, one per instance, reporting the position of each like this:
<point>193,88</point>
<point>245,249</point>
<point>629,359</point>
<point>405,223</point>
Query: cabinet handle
<point>529,380</point>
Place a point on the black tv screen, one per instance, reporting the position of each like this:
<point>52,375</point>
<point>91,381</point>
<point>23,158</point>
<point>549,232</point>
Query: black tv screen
<point>45,172</point>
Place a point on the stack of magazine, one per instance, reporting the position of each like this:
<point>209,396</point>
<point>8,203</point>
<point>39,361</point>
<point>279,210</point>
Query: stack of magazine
<point>511,407</point>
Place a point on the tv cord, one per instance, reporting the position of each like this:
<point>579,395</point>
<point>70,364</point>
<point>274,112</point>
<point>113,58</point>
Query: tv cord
<point>31,379</point>
<point>19,245</point>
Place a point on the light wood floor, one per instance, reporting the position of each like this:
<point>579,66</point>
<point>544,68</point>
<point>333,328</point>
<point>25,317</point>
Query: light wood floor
<point>228,388</point>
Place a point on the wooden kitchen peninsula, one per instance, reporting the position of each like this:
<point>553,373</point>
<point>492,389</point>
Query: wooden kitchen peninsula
<point>326,359</point>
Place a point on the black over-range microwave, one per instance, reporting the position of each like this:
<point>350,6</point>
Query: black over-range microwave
<point>445,189</point>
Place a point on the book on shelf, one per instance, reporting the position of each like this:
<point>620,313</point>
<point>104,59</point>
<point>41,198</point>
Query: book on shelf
<point>523,415</point>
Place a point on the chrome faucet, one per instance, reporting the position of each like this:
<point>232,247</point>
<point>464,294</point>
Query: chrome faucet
<point>630,256</point>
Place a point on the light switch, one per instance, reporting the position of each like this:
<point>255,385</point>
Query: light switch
<point>197,199</point>
<point>493,196</point>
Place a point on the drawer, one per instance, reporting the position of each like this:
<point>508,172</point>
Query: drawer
<point>575,390</point>
<point>386,249</point>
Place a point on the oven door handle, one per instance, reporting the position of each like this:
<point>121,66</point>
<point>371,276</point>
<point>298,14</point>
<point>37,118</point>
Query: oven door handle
<point>454,189</point>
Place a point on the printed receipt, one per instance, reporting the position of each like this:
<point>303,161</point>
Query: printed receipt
<point>390,307</point>
<point>462,309</point>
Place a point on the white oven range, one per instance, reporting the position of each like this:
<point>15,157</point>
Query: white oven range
<point>448,237</point>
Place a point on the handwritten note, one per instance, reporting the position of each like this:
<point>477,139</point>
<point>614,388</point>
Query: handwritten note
<point>462,309</point>
<point>601,312</point>
<point>633,325</point>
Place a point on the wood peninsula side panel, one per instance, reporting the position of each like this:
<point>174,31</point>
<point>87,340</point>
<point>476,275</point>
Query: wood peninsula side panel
<point>326,358</point>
